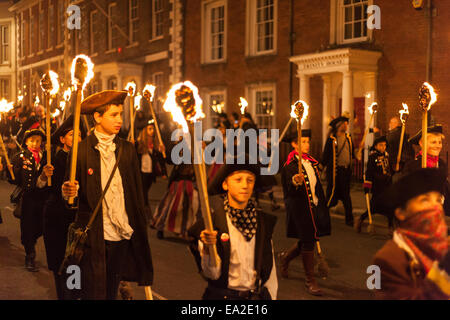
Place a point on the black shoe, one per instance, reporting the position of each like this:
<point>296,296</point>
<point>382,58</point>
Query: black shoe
<point>160,235</point>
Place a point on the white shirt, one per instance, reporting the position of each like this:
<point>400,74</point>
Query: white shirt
<point>146,163</point>
<point>241,274</point>
<point>115,219</point>
<point>312,179</point>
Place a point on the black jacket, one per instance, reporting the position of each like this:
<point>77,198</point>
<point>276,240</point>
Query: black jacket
<point>304,221</point>
<point>219,221</point>
<point>158,164</point>
<point>393,142</point>
<point>139,267</point>
<point>378,174</point>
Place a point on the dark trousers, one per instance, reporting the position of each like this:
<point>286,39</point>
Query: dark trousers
<point>389,217</point>
<point>147,181</point>
<point>115,253</point>
<point>342,191</point>
<point>31,220</point>
<point>305,245</point>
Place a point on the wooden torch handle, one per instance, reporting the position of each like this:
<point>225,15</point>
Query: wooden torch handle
<point>76,130</point>
<point>48,145</point>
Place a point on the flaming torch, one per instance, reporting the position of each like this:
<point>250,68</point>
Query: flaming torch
<point>185,104</point>
<point>299,112</point>
<point>427,97</point>
<point>5,107</point>
<point>131,88</point>
<point>149,94</point>
<point>243,105</point>
<point>67,94</point>
<point>82,72</point>
<point>373,108</point>
<point>404,113</point>
<point>50,86</point>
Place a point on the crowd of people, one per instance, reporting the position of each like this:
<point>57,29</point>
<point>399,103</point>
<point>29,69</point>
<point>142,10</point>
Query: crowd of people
<point>114,177</point>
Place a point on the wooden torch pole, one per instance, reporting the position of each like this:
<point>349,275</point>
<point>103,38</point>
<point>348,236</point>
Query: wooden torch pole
<point>76,130</point>
<point>48,145</point>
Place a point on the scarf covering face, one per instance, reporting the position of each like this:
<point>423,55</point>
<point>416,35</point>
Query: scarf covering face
<point>36,155</point>
<point>114,201</point>
<point>432,161</point>
<point>244,220</point>
<point>426,235</point>
<point>305,156</point>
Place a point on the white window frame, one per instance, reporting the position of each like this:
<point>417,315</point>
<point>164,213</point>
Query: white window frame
<point>61,23</point>
<point>8,94</point>
<point>159,91</point>
<point>111,28</point>
<point>5,29</point>
<point>30,33</point>
<point>206,54</point>
<point>154,18</point>
<point>92,39</point>
<point>251,91</point>
<point>110,80</point>
<point>51,26</point>
<point>340,24</point>
<point>210,114</point>
<point>130,22</point>
<point>252,32</point>
<point>22,36</point>
<point>41,19</point>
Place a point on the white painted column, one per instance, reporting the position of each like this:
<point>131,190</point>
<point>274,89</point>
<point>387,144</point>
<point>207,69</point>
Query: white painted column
<point>370,88</point>
<point>326,107</point>
<point>347,96</point>
<point>304,95</point>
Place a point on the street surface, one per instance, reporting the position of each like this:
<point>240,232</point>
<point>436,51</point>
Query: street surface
<point>348,255</point>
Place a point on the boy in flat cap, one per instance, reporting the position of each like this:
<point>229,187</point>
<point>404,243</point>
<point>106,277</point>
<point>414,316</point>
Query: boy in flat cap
<point>308,216</point>
<point>27,168</point>
<point>415,264</point>
<point>117,244</point>
<point>243,236</point>
<point>377,178</point>
<point>57,217</point>
<point>337,158</point>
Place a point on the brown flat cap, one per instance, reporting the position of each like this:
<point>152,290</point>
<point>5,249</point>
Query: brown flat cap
<point>103,98</point>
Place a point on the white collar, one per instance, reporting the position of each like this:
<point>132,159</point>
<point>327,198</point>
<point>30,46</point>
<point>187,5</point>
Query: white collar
<point>399,241</point>
<point>104,138</point>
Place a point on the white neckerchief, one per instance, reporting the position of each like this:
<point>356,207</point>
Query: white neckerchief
<point>115,219</point>
<point>401,243</point>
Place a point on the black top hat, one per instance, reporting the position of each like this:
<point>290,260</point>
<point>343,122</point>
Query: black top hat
<point>293,136</point>
<point>33,132</point>
<point>335,123</point>
<point>215,186</point>
<point>377,141</point>
<point>103,98</point>
<point>410,186</point>
<point>433,129</point>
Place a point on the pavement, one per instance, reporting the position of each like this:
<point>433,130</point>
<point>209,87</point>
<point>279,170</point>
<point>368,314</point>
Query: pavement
<point>176,278</point>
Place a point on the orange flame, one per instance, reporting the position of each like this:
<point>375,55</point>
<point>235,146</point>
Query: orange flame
<point>404,113</point>
<point>373,108</point>
<point>89,71</point>
<point>305,110</point>
<point>6,106</point>
<point>149,90</point>
<point>170,105</point>
<point>137,101</point>
<point>243,104</point>
<point>67,94</point>
<point>131,88</point>
<point>432,94</point>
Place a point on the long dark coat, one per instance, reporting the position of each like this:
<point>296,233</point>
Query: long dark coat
<point>393,142</point>
<point>303,221</point>
<point>400,280</point>
<point>329,160</point>
<point>139,267</point>
<point>57,217</point>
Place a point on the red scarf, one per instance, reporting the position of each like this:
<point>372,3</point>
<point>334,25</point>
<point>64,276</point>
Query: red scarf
<point>36,155</point>
<point>432,161</point>
<point>426,235</point>
<point>305,156</point>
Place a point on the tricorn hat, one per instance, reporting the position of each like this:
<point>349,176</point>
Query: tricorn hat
<point>433,129</point>
<point>64,128</point>
<point>33,132</point>
<point>378,140</point>
<point>103,98</point>
<point>410,186</point>
<point>215,186</point>
<point>335,123</point>
<point>293,136</point>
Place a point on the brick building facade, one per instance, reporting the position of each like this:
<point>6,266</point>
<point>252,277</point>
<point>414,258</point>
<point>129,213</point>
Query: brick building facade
<point>127,40</point>
<point>7,52</point>
<point>274,52</point>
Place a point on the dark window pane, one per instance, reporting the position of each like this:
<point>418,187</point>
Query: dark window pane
<point>348,14</point>
<point>358,13</point>
<point>348,31</point>
<point>357,30</point>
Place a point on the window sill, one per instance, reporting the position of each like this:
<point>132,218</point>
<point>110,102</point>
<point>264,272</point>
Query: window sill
<point>49,49</point>
<point>40,52</point>
<point>59,45</point>
<point>262,54</point>
<point>133,45</point>
<point>209,63</point>
<point>94,55</point>
<point>30,56</point>
<point>356,40</point>
<point>156,39</point>
<point>111,51</point>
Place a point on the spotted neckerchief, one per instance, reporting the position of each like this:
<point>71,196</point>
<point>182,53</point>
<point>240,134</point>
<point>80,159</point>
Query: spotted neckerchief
<point>244,220</point>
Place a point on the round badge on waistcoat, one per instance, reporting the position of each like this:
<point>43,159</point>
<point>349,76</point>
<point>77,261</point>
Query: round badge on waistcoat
<point>224,237</point>
<point>90,171</point>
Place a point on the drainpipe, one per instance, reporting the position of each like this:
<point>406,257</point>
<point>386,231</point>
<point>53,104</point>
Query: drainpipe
<point>429,17</point>
<point>291,47</point>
